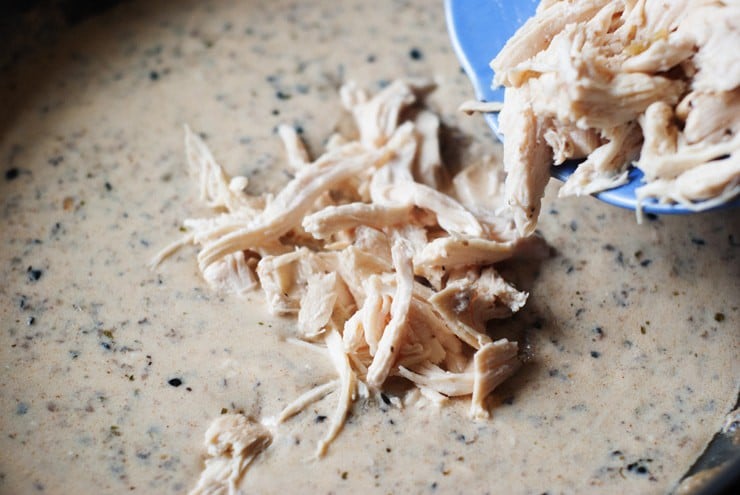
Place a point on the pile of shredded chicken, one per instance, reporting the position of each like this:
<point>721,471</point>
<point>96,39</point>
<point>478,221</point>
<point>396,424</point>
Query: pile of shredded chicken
<point>392,276</point>
<point>655,83</point>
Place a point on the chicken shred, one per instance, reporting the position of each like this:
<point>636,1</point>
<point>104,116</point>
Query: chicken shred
<point>305,399</point>
<point>429,170</point>
<point>493,363</point>
<point>393,334</point>
<point>232,273</point>
<point>347,389</point>
<point>232,441</point>
<point>317,304</point>
<point>650,83</point>
<point>295,150</point>
<point>386,261</point>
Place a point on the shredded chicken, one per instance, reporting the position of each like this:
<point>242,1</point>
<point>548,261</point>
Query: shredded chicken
<point>305,399</point>
<point>386,262</point>
<point>654,83</point>
<point>232,273</point>
<point>492,364</point>
<point>394,332</point>
<point>471,106</point>
<point>232,442</point>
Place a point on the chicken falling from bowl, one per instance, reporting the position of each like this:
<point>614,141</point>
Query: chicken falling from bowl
<point>653,83</point>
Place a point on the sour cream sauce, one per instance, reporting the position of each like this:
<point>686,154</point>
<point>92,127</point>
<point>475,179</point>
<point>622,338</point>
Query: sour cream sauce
<point>112,372</point>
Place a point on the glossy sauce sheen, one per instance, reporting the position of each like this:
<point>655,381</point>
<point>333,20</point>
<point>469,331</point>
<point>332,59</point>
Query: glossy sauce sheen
<point>113,372</point>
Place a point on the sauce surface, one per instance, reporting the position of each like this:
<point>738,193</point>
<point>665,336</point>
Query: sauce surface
<point>112,372</point>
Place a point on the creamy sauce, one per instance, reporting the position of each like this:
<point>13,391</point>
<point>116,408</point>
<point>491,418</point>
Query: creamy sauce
<point>113,373</point>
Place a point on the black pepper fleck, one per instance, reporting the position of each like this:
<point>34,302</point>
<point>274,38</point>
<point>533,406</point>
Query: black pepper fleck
<point>108,186</point>
<point>415,54</point>
<point>320,418</point>
<point>595,354</point>
<point>698,241</point>
<point>175,382</point>
<point>280,95</point>
<point>385,399</point>
<point>56,160</point>
<point>620,258</point>
<point>11,173</point>
<point>719,317</point>
<point>639,467</point>
<point>153,75</point>
<point>34,273</point>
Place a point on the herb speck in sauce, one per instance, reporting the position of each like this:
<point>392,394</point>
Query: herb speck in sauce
<point>415,54</point>
<point>11,173</point>
<point>34,274</point>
